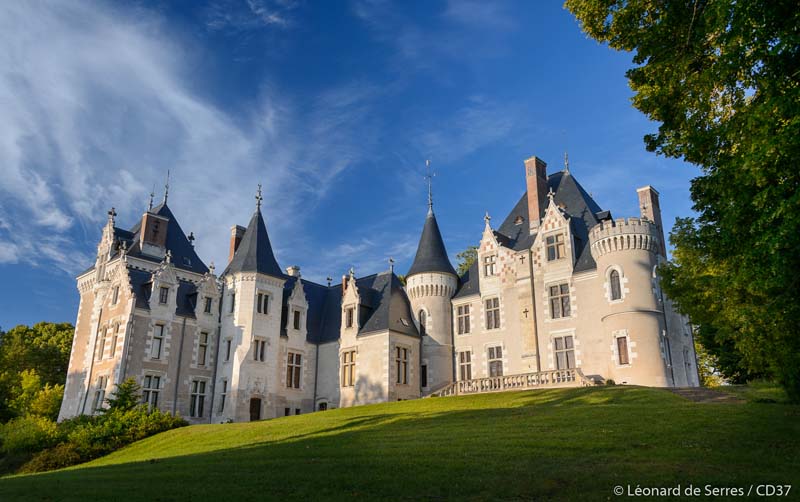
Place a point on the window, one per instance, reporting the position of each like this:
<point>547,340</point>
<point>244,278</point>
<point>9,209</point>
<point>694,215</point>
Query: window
<point>297,411</point>
<point>101,344</point>
<point>296,320</point>
<point>227,349</point>
<point>158,341</point>
<point>113,351</point>
<point>559,301</point>
<point>489,263</point>
<point>349,317</point>
<point>462,315</point>
<point>622,350</point>
<point>163,295</point>
<point>322,406</point>
<point>564,352</point>
<point>150,390</point>
<point>259,349</point>
<point>287,412</point>
<point>349,368</point>
<point>198,398</point>
<point>202,349</point>
<point>233,302</point>
<point>207,308</point>
<point>616,291</point>
<point>555,247</point>
<point>492,313</point>
<point>293,366</point>
<point>262,303</point>
<point>669,349</point>
<point>465,365</point>
<point>423,375</point>
<point>115,296</point>
<point>423,321</point>
<point>401,358</point>
<point>99,393</point>
<point>495,361</point>
<point>222,394</point>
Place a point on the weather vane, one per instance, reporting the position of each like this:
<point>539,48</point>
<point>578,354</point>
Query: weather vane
<point>259,198</point>
<point>429,177</point>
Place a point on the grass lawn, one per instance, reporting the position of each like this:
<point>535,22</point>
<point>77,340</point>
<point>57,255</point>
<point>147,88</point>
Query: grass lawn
<point>572,444</point>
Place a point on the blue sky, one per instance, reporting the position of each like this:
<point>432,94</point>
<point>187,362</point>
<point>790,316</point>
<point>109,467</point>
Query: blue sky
<point>332,106</point>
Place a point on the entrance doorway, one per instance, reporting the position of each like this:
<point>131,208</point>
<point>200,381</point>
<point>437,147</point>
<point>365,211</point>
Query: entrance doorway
<point>255,409</point>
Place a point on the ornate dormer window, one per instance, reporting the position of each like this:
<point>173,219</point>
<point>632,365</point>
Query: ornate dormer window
<point>349,317</point>
<point>555,247</point>
<point>207,307</point>
<point>489,265</point>
<point>296,319</point>
<point>115,295</point>
<point>163,295</point>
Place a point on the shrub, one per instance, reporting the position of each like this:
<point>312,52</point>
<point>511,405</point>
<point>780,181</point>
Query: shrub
<point>610,382</point>
<point>63,455</point>
<point>29,434</point>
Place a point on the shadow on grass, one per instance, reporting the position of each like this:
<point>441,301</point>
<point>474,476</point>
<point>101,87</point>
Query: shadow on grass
<point>530,445</point>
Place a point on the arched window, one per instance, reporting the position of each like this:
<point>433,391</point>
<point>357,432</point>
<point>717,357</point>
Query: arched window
<point>423,320</point>
<point>616,291</point>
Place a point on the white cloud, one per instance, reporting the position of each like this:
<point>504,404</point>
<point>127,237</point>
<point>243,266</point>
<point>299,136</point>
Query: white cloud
<point>98,104</point>
<point>246,15</point>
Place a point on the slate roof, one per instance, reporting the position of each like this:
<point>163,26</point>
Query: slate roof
<point>514,232</point>
<point>431,253</point>
<point>254,253</point>
<point>142,284</point>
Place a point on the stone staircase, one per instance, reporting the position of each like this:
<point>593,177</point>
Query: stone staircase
<point>539,380</point>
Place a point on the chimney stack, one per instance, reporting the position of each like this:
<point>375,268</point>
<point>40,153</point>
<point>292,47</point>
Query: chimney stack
<point>536,181</point>
<point>344,284</point>
<point>293,271</point>
<point>651,210</point>
<point>153,234</point>
<point>237,232</point>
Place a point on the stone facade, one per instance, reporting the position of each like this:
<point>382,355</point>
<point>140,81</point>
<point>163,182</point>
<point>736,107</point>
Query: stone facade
<point>559,285</point>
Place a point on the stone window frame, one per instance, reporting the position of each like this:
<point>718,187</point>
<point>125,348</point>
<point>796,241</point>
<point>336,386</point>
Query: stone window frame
<point>561,295</point>
<point>223,393</point>
<point>294,369</point>
<point>402,361</point>
<point>348,367</point>
<point>100,343</point>
<point>232,304</point>
<point>149,391</point>
<point>228,347</point>
<point>559,247</point>
<point>497,324</point>
<point>623,280</point>
<point>298,314</point>
<point>163,295</point>
<point>489,263</point>
<point>114,340</point>
<point>491,348</point>
<point>263,302</point>
<point>461,364</point>
<point>208,305</point>
<point>350,316</point>
<point>115,295</point>
<point>195,392</point>
<point>259,349</point>
<point>162,328</point>
<point>207,345</point>
<point>100,387</point>
<point>466,316</point>
<point>566,350</point>
<point>423,325</point>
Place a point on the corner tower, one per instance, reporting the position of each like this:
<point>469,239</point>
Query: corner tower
<point>431,282</point>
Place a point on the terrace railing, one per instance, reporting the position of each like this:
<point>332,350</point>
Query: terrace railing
<point>543,379</point>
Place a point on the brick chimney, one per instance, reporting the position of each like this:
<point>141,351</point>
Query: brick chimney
<point>536,181</point>
<point>651,210</point>
<point>344,284</point>
<point>237,232</point>
<point>153,234</point>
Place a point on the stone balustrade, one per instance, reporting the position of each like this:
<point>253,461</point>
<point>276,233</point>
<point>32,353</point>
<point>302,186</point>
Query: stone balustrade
<point>542,379</point>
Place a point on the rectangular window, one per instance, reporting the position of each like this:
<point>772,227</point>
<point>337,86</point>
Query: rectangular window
<point>495,361</point>
<point>565,352</point>
<point>622,349</point>
<point>233,302</point>
<point>158,341</point>
<point>462,316</point>
<point>465,365</point>
<point>163,295</point>
<point>492,313</point>
<point>101,344</point>
<point>115,296</point>
<point>423,375</point>
<point>349,368</point>
<point>150,390</point>
<point>99,393</point>
<point>296,320</point>
<point>198,398</point>
<point>297,411</point>
<point>349,317</point>
<point>262,303</point>
<point>223,393</point>
<point>259,349</point>
<point>207,308</point>
<point>401,359</point>
<point>287,412</point>
<point>559,301</point>
<point>228,349</point>
<point>202,349</point>
<point>489,263</point>
<point>555,247</point>
<point>114,338</point>
<point>293,366</point>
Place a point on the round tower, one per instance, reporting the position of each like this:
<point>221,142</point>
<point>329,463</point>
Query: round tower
<point>632,317</point>
<point>430,284</point>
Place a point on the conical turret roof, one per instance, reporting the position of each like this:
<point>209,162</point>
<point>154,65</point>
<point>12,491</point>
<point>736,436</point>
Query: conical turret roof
<point>254,253</point>
<point>431,253</point>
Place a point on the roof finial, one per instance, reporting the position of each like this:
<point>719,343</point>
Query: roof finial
<point>329,279</point>
<point>191,239</point>
<point>168,257</point>
<point>551,194</point>
<point>211,268</point>
<point>352,273</point>
<point>566,162</point>
<point>111,215</point>
<point>166,189</point>
<point>391,264</point>
<point>152,195</point>
<point>429,176</point>
<point>259,198</point>
<point>487,218</point>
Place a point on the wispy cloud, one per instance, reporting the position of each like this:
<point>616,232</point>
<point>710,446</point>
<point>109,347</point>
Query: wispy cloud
<point>97,105</point>
<point>246,15</point>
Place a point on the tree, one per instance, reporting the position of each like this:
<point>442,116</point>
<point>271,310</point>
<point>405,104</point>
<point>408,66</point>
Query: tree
<point>722,79</point>
<point>125,398</point>
<point>466,258</point>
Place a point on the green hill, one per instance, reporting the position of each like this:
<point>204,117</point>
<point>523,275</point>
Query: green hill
<point>566,444</point>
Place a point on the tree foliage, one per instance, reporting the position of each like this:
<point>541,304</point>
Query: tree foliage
<point>125,398</point>
<point>722,78</point>
<point>466,258</point>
